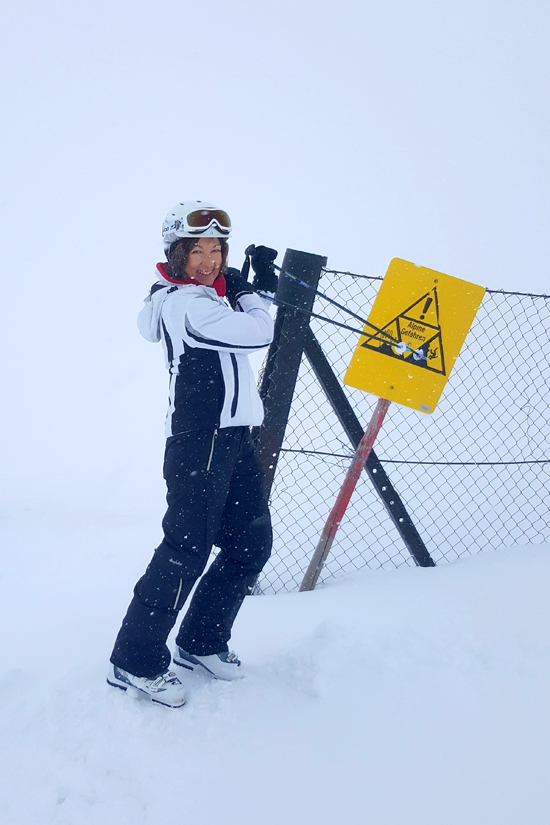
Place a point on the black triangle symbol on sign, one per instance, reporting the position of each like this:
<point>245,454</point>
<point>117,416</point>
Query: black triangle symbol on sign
<point>418,328</point>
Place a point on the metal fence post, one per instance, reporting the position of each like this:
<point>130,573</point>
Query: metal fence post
<point>285,353</point>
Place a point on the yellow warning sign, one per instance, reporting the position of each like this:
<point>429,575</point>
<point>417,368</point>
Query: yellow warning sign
<point>414,334</point>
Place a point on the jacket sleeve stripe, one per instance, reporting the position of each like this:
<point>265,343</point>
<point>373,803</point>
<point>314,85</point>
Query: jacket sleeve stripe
<point>213,343</point>
<point>169,345</point>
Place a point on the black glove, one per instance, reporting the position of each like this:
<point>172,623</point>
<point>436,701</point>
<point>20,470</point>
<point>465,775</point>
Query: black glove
<point>235,285</point>
<point>265,278</point>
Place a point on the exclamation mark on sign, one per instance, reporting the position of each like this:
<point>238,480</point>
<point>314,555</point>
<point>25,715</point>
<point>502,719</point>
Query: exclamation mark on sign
<point>426,307</point>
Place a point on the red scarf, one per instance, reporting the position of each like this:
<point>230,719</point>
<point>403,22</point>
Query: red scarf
<point>218,285</point>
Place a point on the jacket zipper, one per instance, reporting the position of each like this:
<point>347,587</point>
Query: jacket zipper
<point>235,384</point>
<point>214,434</point>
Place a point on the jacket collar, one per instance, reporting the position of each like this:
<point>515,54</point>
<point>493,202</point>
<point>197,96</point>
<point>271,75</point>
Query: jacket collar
<point>164,271</point>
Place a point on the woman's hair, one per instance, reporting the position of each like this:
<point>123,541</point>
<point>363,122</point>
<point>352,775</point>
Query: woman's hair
<point>179,253</point>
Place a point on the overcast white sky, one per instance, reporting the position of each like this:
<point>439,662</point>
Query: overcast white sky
<point>358,130</point>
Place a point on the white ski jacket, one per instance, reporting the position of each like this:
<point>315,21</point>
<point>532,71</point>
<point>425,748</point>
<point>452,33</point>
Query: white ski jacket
<point>206,346</point>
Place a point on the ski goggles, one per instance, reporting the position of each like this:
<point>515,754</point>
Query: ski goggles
<point>201,219</point>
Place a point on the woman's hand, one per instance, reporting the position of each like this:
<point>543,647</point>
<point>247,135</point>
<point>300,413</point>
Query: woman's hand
<point>265,278</point>
<point>235,285</point>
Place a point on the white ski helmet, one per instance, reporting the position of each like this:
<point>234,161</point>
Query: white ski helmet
<point>194,219</point>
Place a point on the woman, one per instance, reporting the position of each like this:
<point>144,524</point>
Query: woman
<point>213,477</point>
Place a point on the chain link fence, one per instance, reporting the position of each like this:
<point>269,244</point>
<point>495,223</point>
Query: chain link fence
<point>473,476</point>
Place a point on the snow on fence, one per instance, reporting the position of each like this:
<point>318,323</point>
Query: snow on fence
<point>473,476</point>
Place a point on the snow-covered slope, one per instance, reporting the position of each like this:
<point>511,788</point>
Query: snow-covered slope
<point>388,698</point>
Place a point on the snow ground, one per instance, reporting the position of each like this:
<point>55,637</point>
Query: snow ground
<point>414,696</point>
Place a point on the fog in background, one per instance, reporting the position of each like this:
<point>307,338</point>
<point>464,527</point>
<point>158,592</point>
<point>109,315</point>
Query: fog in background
<point>361,131</point>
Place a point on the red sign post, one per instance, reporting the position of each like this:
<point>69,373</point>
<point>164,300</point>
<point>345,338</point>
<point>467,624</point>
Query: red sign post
<point>337,513</point>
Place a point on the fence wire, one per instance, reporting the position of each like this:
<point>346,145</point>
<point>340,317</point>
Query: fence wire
<point>473,476</point>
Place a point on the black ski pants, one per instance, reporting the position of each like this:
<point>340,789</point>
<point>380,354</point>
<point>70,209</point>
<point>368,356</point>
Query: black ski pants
<point>215,497</point>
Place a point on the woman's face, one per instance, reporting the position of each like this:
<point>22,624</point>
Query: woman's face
<point>204,261</point>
